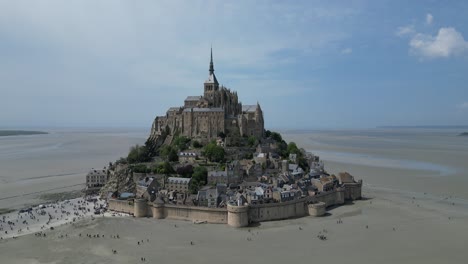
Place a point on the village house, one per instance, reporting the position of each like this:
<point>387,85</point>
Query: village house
<point>234,172</point>
<point>208,197</point>
<point>248,185</point>
<point>296,171</point>
<point>178,184</point>
<point>324,183</point>
<point>215,177</point>
<point>147,188</point>
<point>96,179</point>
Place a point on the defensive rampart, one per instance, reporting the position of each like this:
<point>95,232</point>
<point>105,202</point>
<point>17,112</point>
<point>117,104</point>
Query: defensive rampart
<point>121,206</point>
<point>277,211</point>
<point>192,213</point>
<point>335,197</point>
<point>236,216</point>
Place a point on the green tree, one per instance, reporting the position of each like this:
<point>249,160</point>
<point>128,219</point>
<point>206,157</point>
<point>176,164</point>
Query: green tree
<point>163,168</point>
<point>199,178</point>
<point>276,136</point>
<point>293,149</point>
<point>180,143</point>
<point>138,154</point>
<point>140,168</point>
<point>251,141</point>
<point>196,144</point>
<point>185,171</point>
<point>214,152</point>
<point>168,153</point>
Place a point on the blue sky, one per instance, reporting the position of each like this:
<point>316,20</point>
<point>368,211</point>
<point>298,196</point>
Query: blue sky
<point>310,64</point>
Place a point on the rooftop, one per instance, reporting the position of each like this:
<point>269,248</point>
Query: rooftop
<point>193,98</point>
<point>178,180</point>
<point>249,108</point>
<point>197,109</point>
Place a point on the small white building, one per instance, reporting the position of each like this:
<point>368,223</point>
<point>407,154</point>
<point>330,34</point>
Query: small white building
<point>187,157</point>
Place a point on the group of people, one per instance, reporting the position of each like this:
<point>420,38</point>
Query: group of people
<point>43,216</point>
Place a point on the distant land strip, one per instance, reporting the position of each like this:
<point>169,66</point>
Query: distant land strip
<point>4,133</point>
<point>428,127</point>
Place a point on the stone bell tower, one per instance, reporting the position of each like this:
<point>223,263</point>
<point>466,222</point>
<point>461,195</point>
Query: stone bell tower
<point>211,85</point>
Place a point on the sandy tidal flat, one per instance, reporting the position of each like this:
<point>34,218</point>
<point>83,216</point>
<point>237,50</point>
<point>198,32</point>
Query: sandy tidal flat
<point>388,227</point>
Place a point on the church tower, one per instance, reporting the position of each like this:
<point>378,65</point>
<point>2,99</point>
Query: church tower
<point>211,85</point>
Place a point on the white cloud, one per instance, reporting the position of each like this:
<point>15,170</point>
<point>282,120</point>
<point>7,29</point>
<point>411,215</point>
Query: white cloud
<point>406,30</point>
<point>346,51</point>
<point>429,18</point>
<point>463,105</point>
<point>448,42</point>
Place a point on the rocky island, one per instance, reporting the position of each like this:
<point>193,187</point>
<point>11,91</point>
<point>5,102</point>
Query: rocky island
<point>212,161</point>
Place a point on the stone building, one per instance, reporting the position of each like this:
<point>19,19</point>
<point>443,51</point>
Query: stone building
<point>204,117</point>
<point>187,157</point>
<point>147,188</point>
<point>178,184</point>
<point>96,178</point>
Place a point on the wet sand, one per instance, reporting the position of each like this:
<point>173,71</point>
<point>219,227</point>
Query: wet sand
<point>387,227</point>
<point>426,161</point>
<point>31,166</point>
<point>412,214</point>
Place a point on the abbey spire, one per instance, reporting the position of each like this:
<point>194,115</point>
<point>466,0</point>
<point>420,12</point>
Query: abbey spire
<point>211,77</point>
<point>211,63</point>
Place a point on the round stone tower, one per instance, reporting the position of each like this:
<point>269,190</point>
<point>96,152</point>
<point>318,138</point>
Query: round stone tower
<point>140,207</point>
<point>238,216</point>
<point>316,209</point>
<point>158,208</point>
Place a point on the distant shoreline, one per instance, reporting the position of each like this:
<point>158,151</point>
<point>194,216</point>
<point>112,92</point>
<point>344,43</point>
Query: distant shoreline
<point>464,134</point>
<point>425,127</point>
<point>5,133</point>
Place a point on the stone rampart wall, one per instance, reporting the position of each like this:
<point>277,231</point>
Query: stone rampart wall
<point>278,211</point>
<point>234,216</point>
<point>329,198</point>
<point>192,213</point>
<point>121,206</point>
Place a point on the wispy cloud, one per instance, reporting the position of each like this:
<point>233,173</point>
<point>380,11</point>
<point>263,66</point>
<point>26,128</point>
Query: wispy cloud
<point>463,106</point>
<point>405,30</point>
<point>347,51</point>
<point>429,18</point>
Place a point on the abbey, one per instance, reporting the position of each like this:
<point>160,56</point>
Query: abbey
<point>205,117</point>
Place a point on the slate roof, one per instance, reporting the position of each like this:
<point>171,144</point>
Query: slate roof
<point>197,109</point>
<point>249,108</point>
<point>217,174</point>
<point>193,98</point>
<point>178,180</point>
<point>212,78</point>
